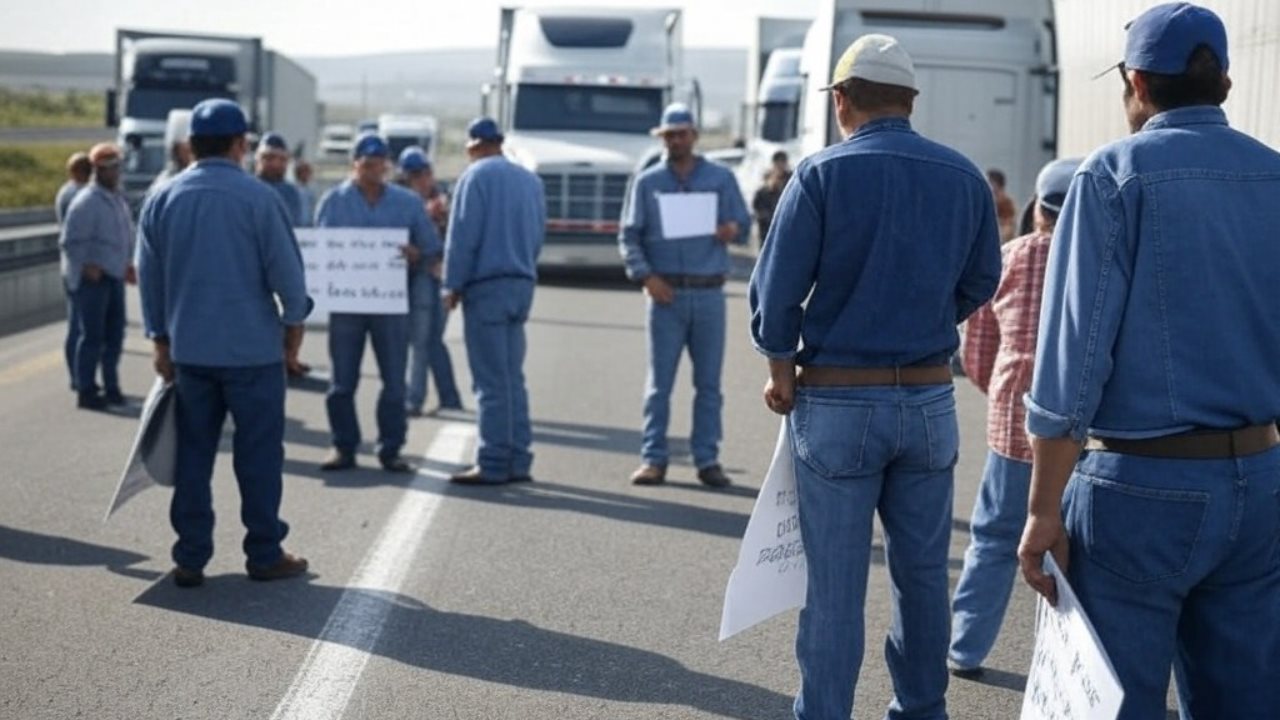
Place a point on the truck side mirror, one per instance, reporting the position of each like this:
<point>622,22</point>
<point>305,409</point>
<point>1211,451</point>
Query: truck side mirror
<point>112,117</point>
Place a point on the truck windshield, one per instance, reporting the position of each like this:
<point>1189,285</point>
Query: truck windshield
<point>778,121</point>
<point>587,108</point>
<point>152,103</point>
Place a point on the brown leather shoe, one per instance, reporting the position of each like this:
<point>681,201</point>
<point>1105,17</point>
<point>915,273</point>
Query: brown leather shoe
<point>474,476</point>
<point>649,475</point>
<point>289,565</point>
<point>338,460</point>
<point>187,578</point>
<point>713,476</point>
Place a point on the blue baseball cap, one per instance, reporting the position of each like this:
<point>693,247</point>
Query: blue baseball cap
<point>1054,181</point>
<point>676,116</point>
<point>216,117</point>
<point>370,145</point>
<point>273,141</point>
<point>414,159</point>
<point>483,129</point>
<point>1162,39</point>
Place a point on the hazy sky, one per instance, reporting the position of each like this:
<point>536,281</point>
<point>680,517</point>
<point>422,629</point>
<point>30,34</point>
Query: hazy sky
<point>298,27</point>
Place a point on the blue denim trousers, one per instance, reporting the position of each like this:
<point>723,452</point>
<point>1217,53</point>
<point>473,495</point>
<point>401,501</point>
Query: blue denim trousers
<point>860,452</point>
<point>427,351</point>
<point>991,561</point>
<point>255,398</point>
<point>73,335</point>
<point>494,315</point>
<point>100,311</point>
<point>1177,563</point>
<point>390,337</point>
<point>694,320</point>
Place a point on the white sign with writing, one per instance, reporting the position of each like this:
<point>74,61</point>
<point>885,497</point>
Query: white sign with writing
<point>355,270</point>
<point>1071,677</point>
<point>688,215</point>
<point>771,574</point>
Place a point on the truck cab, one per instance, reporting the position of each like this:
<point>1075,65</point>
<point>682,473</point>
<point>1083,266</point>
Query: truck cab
<point>776,123</point>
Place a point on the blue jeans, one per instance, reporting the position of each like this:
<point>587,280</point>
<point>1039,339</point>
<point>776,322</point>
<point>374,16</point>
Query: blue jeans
<point>427,320</point>
<point>255,398</point>
<point>696,320</point>
<point>859,452</point>
<point>73,335</point>
<point>494,314</point>
<point>390,337</point>
<point>991,562</point>
<point>1177,563</point>
<point>100,310</point>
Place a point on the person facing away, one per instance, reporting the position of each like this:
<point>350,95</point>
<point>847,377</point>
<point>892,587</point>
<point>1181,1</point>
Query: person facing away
<point>427,316</point>
<point>367,200</point>
<point>97,261</point>
<point>271,166</point>
<point>766,198</point>
<point>683,274</point>
<point>855,301</point>
<point>998,353</point>
<point>178,127</point>
<point>1157,355</point>
<point>1006,208</point>
<point>216,253</point>
<point>496,228</point>
<point>79,170</point>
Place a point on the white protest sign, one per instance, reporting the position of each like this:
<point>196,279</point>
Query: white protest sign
<point>688,215</point>
<point>771,575</point>
<point>153,458</point>
<point>355,270</point>
<point>1071,677</point>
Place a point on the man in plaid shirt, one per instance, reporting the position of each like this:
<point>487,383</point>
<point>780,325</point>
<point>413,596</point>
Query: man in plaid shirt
<point>999,353</point>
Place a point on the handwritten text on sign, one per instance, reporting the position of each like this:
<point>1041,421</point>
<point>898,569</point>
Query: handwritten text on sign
<point>355,270</point>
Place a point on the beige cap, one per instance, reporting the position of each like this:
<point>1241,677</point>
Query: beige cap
<point>875,58</point>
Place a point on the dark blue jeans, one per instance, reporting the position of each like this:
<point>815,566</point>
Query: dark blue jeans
<point>427,320</point>
<point>390,337</point>
<point>73,336</point>
<point>494,314</point>
<point>255,398</point>
<point>100,311</point>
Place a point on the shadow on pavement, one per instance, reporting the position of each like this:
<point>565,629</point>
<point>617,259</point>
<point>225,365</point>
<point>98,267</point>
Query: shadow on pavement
<point>38,549</point>
<point>1016,682</point>
<point>510,652</point>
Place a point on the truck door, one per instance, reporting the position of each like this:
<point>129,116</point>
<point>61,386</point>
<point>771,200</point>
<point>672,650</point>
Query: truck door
<point>974,111</point>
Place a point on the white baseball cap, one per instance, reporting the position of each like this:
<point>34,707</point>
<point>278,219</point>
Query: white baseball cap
<point>875,58</point>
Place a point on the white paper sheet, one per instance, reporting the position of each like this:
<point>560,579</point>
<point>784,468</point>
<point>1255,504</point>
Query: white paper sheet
<point>1071,677</point>
<point>355,270</point>
<point>155,447</point>
<point>771,575</point>
<point>688,215</point>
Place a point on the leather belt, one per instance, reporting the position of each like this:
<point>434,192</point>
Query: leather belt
<point>826,376</point>
<point>1195,444</point>
<point>694,281</point>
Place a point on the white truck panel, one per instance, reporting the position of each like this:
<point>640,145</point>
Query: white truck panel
<point>288,105</point>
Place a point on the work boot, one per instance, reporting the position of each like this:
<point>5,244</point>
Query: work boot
<point>187,578</point>
<point>338,460</point>
<point>474,476</point>
<point>395,464</point>
<point>713,476</point>
<point>649,475</point>
<point>91,401</point>
<point>289,565</point>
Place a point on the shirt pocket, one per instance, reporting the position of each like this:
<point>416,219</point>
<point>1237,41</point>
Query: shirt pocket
<point>831,436</point>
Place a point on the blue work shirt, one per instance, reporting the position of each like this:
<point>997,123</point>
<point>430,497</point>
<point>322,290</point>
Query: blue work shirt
<point>97,230</point>
<point>1160,312</point>
<point>292,200</point>
<point>215,252</point>
<point>345,206</point>
<point>644,248</point>
<point>497,222</point>
<point>880,246</point>
<point>63,199</point>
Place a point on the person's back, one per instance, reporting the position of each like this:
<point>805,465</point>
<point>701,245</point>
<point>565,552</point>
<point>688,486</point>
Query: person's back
<point>503,205</point>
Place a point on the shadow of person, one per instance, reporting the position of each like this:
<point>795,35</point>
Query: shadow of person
<point>35,548</point>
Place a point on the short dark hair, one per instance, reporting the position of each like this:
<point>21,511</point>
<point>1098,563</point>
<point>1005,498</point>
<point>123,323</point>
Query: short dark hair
<point>780,156</point>
<point>209,146</point>
<point>997,177</point>
<point>1202,83</point>
<point>870,96</point>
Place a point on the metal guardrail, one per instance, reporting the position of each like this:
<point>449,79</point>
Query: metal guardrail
<point>26,216</point>
<point>28,237</point>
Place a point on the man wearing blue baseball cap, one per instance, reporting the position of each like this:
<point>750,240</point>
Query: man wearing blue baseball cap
<point>496,227</point>
<point>271,166</point>
<point>216,254</point>
<point>366,199</point>
<point>1157,358</point>
<point>683,275</point>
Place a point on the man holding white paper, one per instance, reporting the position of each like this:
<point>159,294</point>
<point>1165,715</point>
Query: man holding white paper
<point>680,216</point>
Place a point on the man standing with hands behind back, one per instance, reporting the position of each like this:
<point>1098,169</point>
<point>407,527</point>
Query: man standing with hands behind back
<point>684,280</point>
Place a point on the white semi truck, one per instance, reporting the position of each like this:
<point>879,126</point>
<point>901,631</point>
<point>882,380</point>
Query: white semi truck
<point>577,91</point>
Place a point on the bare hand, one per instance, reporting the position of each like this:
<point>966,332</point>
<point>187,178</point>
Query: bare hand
<point>437,269</point>
<point>438,208</point>
<point>92,273</point>
<point>728,232</point>
<point>162,362</point>
<point>659,290</point>
<point>452,299</point>
<point>131,275</point>
<point>292,345</point>
<point>780,395</point>
<point>1042,535</point>
<point>411,254</point>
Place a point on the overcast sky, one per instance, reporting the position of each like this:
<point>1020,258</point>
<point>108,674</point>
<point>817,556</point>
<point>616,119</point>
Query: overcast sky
<point>299,27</point>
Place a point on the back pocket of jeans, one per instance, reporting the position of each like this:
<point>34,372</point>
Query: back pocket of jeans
<point>1141,534</point>
<point>831,437</point>
<point>943,433</point>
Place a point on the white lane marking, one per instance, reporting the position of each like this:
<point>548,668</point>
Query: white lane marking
<point>329,675</point>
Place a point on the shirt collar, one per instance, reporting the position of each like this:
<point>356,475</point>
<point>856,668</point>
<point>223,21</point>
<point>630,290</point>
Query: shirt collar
<point>897,122</point>
<point>227,162</point>
<point>1181,117</point>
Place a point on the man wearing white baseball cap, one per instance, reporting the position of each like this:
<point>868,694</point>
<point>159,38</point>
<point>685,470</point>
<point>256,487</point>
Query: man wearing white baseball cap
<point>881,245</point>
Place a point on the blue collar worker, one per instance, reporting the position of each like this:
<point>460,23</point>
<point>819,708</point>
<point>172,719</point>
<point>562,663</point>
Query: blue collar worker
<point>79,170</point>
<point>1157,357</point>
<point>880,245</point>
<point>224,297</point>
<point>271,163</point>
<point>497,224</point>
<point>367,200</point>
<point>679,218</point>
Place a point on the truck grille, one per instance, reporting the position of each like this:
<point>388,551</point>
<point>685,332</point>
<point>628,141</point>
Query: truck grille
<point>583,196</point>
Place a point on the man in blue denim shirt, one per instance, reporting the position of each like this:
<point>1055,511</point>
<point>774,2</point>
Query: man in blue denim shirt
<point>880,246</point>
<point>1159,339</point>
<point>684,279</point>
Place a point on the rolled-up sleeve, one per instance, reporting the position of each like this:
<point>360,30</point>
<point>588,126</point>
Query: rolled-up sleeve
<point>786,271</point>
<point>150,262</point>
<point>631,237</point>
<point>1086,288</point>
<point>285,272</point>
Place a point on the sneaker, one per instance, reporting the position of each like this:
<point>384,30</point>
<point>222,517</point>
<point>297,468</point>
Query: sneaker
<point>713,476</point>
<point>649,475</point>
<point>187,578</point>
<point>289,565</point>
<point>338,460</point>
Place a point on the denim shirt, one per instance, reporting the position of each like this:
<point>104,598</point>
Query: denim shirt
<point>497,221</point>
<point>879,247</point>
<point>97,230</point>
<point>292,199</point>
<point>62,201</point>
<point>215,253</point>
<point>345,206</point>
<point>1160,312</point>
<point>644,249</point>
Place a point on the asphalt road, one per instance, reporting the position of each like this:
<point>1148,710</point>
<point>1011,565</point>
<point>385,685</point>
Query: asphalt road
<point>577,596</point>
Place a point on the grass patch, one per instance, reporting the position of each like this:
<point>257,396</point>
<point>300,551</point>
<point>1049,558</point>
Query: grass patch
<point>30,174</point>
<point>47,109</point>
